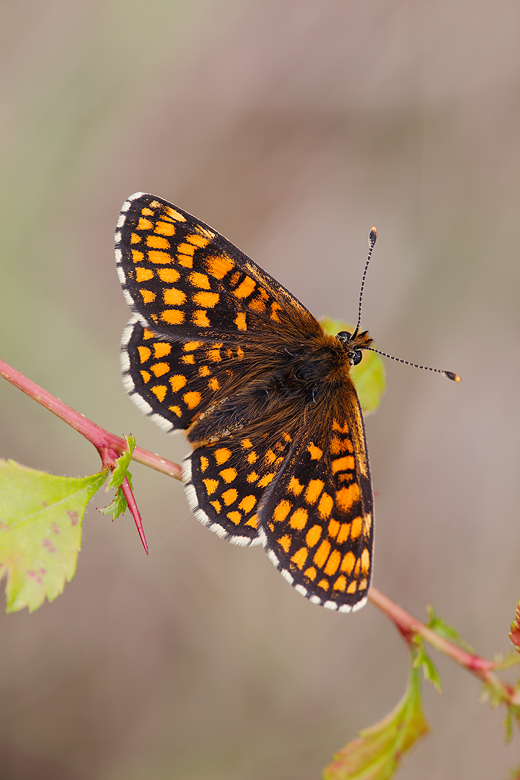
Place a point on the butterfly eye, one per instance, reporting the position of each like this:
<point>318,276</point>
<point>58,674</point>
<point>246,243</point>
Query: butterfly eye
<point>344,336</point>
<point>355,357</point>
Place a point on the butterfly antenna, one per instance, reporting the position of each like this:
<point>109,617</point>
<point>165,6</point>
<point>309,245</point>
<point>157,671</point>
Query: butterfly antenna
<point>448,374</point>
<point>372,237</point>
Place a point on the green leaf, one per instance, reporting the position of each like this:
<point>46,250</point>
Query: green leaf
<point>119,504</point>
<point>444,629</point>
<point>423,661</point>
<point>40,531</point>
<point>377,752</point>
<point>369,376</point>
<point>120,471</point>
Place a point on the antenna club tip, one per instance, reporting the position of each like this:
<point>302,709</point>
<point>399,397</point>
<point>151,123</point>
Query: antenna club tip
<point>451,375</point>
<point>373,234</point>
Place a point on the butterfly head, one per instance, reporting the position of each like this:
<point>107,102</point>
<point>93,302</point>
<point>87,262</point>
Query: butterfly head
<point>354,343</point>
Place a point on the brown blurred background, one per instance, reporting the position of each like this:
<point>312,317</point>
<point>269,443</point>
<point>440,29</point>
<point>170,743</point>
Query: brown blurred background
<point>290,126</point>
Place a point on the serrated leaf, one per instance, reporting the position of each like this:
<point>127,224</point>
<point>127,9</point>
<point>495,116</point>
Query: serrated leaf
<point>377,752</point>
<point>444,629</point>
<point>117,507</point>
<point>41,517</point>
<point>423,661</point>
<point>369,376</point>
<point>120,471</point>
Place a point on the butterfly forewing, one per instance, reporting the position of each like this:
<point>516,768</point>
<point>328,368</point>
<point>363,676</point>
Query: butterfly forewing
<point>218,348</point>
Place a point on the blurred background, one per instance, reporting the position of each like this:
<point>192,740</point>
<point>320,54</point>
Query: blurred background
<point>291,126</point>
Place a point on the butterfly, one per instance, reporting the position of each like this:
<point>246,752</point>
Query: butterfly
<point>218,348</point>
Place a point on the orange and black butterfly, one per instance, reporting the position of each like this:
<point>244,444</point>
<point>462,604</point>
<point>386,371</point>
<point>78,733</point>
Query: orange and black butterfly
<point>218,348</point>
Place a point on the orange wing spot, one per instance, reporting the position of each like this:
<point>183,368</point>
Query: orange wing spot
<point>338,446</point>
<point>169,275</point>
<point>213,384</point>
<point>204,463</point>
<point>199,241</point>
<point>144,354</point>
<point>333,529</point>
<point>363,584</point>
<point>177,382</point>
<point>281,511</point>
<point>252,458</point>
<point>325,506</point>
<point>147,295</point>
<point>144,224</point>
<point>257,305</point>
<point>295,486</point>
<point>313,491</point>
<point>191,345</point>
<point>348,562</point>
<point>285,543</point>
<point>159,369</point>
<point>313,535</point>
<point>157,242</point>
<point>300,557</point>
<point>143,274</point>
<point>229,496</point>
<point>344,533</point>
<point>357,527</point>
<point>340,584</point>
<point>311,573</point>
<point>346,463</point>
<point>171,212</point>
<point>135,239</point>
<point>269,457</point>
<point>200,318</point>
<point>185,260</point>
<point>247,504</point>
<point>240,321</point>
<point>188,360</point>
<point>222,455</point>
<point>275,307</point>
<point>176,410</point>
<point>214,355</point>
<point>341,428</point>
<point>299,519</point>
<point>159,258</point>
<point>165,228</point>
<point>192,399</point>
<point>234,278</point>
<point>347,496</point>
<point>352,587</point>
<point>245,288</point>
<point>357,568</point>
<point>365,561</point>
<point>228,475</point>
<point>199,280</point>
<point>266,480</point>
<point>173,297</point>
<point>240,353</point>
<point>148,334</point>
<point>186,249</point>
<point>137,256</point>
<point>253,476</point>
<point>204,371</point>
<point>207,299</point>
<point>147,212</point>
<point>314,452</point>
<point>173,316</point>
<point>159,391</point>
<point>146,376</point>
<point>235,517</point>
<point>324,584</point>
<point>218,267</point>
<point>161,349</point>
<point>333,563</point>
<point>211,485</point>
<point>367,525</point>
<point>253,521</point>
<point>217,506</point>
<point>246,444</point>
<point>322,553</point>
